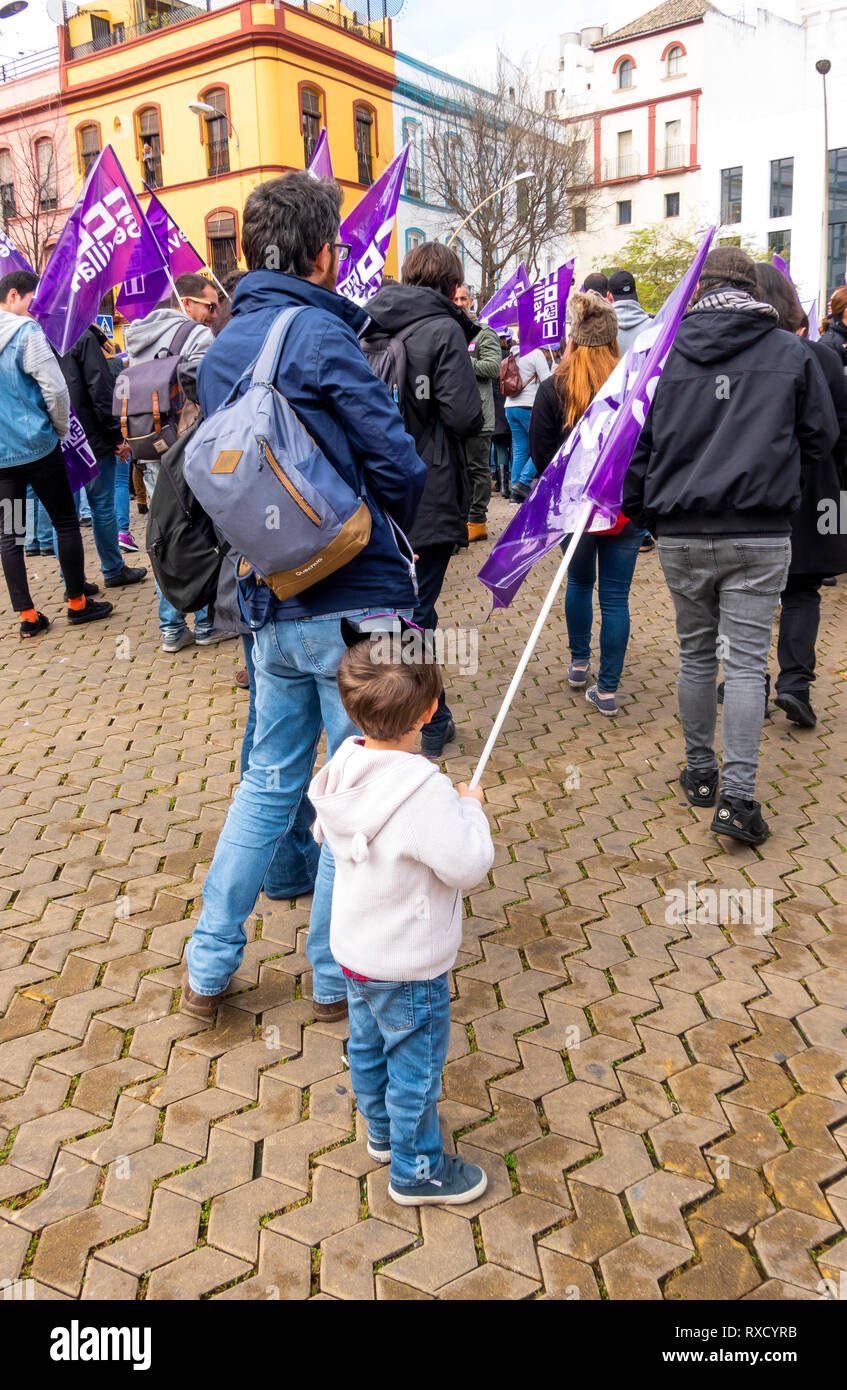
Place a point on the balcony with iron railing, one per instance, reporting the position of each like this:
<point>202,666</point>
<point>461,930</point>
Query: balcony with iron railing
<point>626,166</point>
<point>217,157</point>
<point>372,30</point>
<point>671,157</point>
<point>13,68</point>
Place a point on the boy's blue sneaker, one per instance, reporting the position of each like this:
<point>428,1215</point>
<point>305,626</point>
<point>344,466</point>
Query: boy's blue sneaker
<point>379,1151</point>
<point>457,1182</point>
<point>607,704</point>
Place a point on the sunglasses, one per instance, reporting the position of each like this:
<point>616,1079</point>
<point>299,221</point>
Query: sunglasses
<point>343,248</point>
<point>207,303</point>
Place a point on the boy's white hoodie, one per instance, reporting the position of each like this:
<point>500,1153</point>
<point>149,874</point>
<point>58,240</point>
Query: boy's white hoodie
<point>406,848</point>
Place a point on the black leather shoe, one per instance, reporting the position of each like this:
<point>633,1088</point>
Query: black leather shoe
<point>127,576</point>
<point>798,710</point>
<point>701,788</point>
<point>741,820</point>
<point>432,744</point>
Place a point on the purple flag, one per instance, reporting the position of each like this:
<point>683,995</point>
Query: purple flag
<point>541,310</point>
<point>140,293</point>
<point>368,230</point>
<point>10,257</point>
<point>105,240</point>
<point>812,314</point>
<point>592,462</point>
<point>320,164</point>
<point>502,308</point>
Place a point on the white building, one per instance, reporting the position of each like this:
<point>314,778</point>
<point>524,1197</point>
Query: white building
<point>703,117</point>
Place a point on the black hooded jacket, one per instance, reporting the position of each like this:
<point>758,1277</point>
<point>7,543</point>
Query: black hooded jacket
<point>835,337</point>
<point>90,385</point>
<point>740,404</point>
<point>441,407</point>
<point>818,546</point>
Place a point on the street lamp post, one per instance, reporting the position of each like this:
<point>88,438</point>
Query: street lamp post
<point>527,174</point>
<point>205,108</point>
<point>823,66</point>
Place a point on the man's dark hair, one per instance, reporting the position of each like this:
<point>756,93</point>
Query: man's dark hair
<point>24,281</point>
<point>597,282</point>
<point>190,285</point>
<point>773,288</point>
<point>435,265</point>
<point>287,221</point>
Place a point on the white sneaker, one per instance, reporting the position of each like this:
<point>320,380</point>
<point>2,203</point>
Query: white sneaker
<point>176,644</point>
<point>210,638</point>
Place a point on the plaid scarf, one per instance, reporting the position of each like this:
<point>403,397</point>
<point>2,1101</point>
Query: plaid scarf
<point>734,299</point>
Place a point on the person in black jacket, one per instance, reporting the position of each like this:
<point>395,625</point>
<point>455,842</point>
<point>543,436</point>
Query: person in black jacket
<point>90,385</point>
<point>834,328</point>
<point>441,408</point>
<point>818,547</point>
<point>715,476</point>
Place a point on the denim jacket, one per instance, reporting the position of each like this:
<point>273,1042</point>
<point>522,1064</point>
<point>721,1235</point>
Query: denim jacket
<point>33,395</point>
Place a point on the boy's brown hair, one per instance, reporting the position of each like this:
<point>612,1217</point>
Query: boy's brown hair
<point>386,684</point>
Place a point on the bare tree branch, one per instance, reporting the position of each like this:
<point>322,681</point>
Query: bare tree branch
<point>40,162</point>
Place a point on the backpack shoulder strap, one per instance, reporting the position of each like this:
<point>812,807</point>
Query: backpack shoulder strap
<point>266,364</point>
<point>181,337</point>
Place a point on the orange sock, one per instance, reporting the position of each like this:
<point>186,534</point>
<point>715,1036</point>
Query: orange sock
<point>77,603</point>
<point>29,615</point>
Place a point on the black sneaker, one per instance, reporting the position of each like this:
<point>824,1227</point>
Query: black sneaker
<point>32,550</point>
<point>830,581</point>
<point>126,576</point>
<point>41,624</point>
<point>142,509</point>
<point>91,613</point>
<point>432,744</point>
<point>741,820</point>
<point>798,710</point>
<point>89,588</point>
<point>701,788</point>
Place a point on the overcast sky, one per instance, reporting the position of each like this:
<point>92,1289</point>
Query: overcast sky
<point>463,37</point>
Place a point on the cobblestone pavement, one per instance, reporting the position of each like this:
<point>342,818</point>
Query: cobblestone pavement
<point>658,1101</point>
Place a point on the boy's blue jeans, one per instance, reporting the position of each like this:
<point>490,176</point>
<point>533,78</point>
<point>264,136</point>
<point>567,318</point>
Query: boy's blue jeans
<point>399,1035</point>
<point>296,698</point>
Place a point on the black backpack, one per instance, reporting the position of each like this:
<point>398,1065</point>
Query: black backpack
<point>185,550</point>
<point>386,356</point>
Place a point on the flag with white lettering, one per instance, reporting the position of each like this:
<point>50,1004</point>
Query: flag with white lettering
<point>10,257</point>
<point>368,230</point>
<point>140,293</point>
<point>541,310</point>
<point>105,240</point>
<point>501,311</point>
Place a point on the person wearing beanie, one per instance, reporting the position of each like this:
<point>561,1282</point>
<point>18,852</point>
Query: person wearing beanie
<point>632,319</point>
<point>741,411</point>
<point>590,357</point>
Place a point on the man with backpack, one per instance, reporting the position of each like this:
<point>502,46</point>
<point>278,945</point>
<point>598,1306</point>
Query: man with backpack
<point>439,401</point>
<point>90,384</point>
<point>358,437</point>
<point>168,341</point>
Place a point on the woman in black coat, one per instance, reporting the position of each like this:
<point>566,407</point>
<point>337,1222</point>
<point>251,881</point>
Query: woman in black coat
<point>817,547</point>
<point>835,332</point>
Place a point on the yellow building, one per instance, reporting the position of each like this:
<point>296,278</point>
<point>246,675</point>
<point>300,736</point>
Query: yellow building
<point>273,73</point>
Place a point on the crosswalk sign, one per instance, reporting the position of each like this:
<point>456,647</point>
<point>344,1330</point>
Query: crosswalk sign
<point>106,324</point>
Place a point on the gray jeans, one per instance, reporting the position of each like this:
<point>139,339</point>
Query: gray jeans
<point>725,592</point>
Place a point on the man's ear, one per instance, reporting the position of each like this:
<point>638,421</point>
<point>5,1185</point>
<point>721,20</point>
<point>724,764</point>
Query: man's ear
<point>323,259</point>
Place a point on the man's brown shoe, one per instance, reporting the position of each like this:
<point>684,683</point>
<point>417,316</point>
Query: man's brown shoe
<point>330,1013</point>
<point>477,531</point>
<point>203,1006</point>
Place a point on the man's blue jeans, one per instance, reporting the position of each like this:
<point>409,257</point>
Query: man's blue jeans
<point>399,1034</point>
<point>613,559</point>
<point>171,622</point>
<point>39,528</point>
<point>296,698</point>
<point>104,523</point>
<point>122,495</point>
<point>294,866</point>
<point>523,469</point>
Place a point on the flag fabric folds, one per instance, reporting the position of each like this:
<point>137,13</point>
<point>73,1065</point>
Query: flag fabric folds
<point>812,311</point>
<point>541,310</point>
<point>140,293</point>
<point>10,257</point>
<point>105,240</point>
<point>502,308</point>
<point>368,230</point>
<point>591,464</point>
<point>320,164</point>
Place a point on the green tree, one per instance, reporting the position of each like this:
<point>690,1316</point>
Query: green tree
<point>658,256</point>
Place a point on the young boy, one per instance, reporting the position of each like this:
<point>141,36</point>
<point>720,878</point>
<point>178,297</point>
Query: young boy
<point>407,846</point>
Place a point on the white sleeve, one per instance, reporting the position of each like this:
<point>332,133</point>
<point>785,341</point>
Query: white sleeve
<point>542,366</point>
<point>452,835</point>
<point>38,361</point>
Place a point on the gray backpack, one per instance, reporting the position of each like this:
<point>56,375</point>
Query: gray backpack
<point>268,487</point>
<point>148,399</point>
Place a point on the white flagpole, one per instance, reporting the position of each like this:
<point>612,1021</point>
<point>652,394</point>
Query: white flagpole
<point>581,523</point>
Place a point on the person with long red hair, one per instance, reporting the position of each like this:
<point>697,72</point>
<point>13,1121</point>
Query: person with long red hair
<point>607,556</point>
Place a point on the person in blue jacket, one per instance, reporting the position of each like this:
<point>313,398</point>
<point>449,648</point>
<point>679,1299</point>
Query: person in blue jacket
<point>291,224</point>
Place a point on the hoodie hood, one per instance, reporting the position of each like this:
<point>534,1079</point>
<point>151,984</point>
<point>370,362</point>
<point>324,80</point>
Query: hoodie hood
<point>716,335</point>
<point>359,790</point>
<point>146,336</point>
<point>396,307</point>
<point>630,314</point>
<point>10,324</point>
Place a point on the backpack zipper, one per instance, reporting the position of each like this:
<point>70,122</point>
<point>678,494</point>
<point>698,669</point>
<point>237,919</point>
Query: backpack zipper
<point>288,485</point>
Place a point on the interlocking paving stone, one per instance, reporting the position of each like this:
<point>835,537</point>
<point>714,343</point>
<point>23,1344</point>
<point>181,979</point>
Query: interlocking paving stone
<point>695,1071</point>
